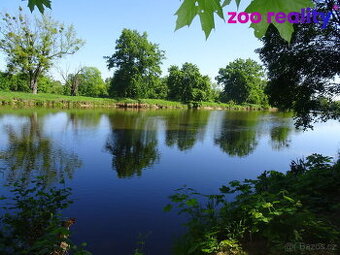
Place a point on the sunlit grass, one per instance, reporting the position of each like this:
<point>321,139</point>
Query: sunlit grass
<point>56,101</point>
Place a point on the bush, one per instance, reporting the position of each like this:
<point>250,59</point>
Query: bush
<point>276,209</point>
<point>32,223</point>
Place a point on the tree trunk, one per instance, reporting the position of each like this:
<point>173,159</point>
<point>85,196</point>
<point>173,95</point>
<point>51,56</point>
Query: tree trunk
<point>34,86</point>
<point>75,85</point>
<point>34,79</point>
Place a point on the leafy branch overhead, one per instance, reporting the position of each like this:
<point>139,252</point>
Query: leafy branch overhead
<point>40,4</point>
<point>206,10</point>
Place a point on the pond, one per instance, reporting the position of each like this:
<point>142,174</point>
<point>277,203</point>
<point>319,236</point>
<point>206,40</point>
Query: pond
<point>123,165</point>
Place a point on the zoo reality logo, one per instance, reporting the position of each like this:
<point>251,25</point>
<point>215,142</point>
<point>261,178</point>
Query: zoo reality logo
<point>306,15</point>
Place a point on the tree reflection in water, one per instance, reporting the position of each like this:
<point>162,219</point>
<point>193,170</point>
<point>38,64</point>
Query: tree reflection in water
<point>238,135</point>
<point>132,142</point>
<point>30,153</point>
<point>184,128</point>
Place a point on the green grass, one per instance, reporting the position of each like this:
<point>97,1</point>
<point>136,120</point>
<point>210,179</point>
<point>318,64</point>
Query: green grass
<point>232,106</point>
<point>53,100</point>
<point>22,99</point>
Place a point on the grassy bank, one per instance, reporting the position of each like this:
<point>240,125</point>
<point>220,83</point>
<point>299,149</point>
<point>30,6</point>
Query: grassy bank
<point>21,99</point>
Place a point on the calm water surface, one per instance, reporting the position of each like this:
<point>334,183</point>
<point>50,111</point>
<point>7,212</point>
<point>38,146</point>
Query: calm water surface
<point>122,165</point>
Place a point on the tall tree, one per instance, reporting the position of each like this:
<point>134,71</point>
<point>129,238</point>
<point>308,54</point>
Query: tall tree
<point>303,73</point>
<point>188,84</point>
<point>243,82</point>
<point>137,65</point>
<point>31,47</point>
<point>91,82</point>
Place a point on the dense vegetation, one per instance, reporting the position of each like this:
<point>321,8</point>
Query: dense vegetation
<point>32,223</point>
<point>136,62</point>
<point>276,213</point>
<point>302,60</point>
<point>243,81</point>
<point>266,214</point>
<point>302,74</point>
<point>31,47</point>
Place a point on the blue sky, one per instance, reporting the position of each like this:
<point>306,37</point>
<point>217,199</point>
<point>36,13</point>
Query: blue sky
<point>99,23</point>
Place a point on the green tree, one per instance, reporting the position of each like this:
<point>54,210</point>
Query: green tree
<point>302,74</point>
<point>243,82</point>
<point>31,47</point>
<point>48,85</point>
<point>91,83</point>
<point>13,82</point>
<point>188,84</point>
<point>137,65</point>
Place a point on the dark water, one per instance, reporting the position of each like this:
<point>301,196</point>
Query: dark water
<point>122,165</point>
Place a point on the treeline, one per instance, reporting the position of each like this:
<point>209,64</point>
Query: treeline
<point>136,63</point>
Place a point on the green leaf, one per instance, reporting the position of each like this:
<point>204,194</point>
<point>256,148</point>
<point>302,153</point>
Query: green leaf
<point>192,202</point>
<point>205,9</point>
<point>226,2</point>
<point>238,3</point>
<point>186,13</point>
<point>267,205</point>
<point>40,4</point>
<point>265,6</point>
<point>289,199</point>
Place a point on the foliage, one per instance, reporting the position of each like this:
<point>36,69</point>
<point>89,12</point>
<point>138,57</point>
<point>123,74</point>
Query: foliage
<point>188,85</point>
<point>243,82</point>
<point>48,85</point>
<point>303,73</point>
<point>13,82</point>
<point>91,83</point>
<point>137,65</point>
<point>272,210</point>
<point>206,9</point>
<point>32,47</point>
<point>32,223</point>
<point>160,89</point>
<point>40,4</point>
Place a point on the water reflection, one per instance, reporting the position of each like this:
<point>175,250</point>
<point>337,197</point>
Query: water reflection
<point>132,143</point>
<point>80,120</point>
<point>132,138</point>
<point>238,135</point>
<point>280,137</point>
<point>184,128</point>
<point>29,152</point>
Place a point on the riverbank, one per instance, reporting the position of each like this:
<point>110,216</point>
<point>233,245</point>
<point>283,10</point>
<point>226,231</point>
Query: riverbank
<point>21,99</point>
